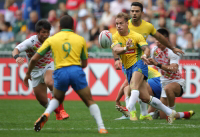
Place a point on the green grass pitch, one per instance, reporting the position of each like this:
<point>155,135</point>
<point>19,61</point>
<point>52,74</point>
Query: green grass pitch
<point>17,118</point>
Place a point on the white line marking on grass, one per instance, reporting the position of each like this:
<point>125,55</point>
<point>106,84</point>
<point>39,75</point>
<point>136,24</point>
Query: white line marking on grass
<point>177,126</point>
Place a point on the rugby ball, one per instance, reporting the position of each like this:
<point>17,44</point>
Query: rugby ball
<point>105,39</point>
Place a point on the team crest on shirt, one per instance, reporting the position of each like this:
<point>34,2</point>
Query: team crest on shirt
<point>145,35</point>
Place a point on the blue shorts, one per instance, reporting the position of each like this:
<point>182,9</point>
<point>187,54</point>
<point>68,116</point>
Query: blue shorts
<point>69,76</point>
<point>123,69</point>
<point>138,66</point>
<point>155,86</point>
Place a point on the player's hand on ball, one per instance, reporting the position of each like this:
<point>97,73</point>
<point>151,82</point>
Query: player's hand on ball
<point>118,65</point>
<point>27,77</point>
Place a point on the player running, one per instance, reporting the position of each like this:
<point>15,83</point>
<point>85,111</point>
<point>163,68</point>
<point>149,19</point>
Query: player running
<point>145,29</point>
<point>172,83</point>
<point>42,72</point>
<point>133,51</point>
<point>70,56</point>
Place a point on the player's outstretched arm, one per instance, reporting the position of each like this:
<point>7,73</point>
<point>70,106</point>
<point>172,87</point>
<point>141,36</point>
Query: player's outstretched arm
<point>19,60</point>
<point>166,43</point>
<point>172,67</point>
<point>31,66</point>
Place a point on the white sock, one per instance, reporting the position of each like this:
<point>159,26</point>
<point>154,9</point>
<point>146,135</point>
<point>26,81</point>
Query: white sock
<point>48,100</point>
<point>53,104</point>
<point>95,112</point>
<point>127,100</point>
<point>181,114</point>
<point>143,108</point>
<point>156,103</point>
<point>133,99</point>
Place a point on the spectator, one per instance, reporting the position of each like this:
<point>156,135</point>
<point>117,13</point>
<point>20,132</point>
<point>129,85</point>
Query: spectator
<point>85,32</point>
<point>173,40</point>
<point>84,16</point>
<point>112,27</point>
<point>182,41</point>
<point>118,6</point>
<point>11,7</point>
<point>97,8</point>
<point>106,16</point>
<point>6,36</point>
<point>94,32</point>
<point>19,25</point>
<point>188,16</point>
<point>2,20</point>
<point>180,18</point>
<point>62,9</point>
<point>190,44</point>
<point>162,22</point>
<point>195,30</point>
<point>73,6</point>
<point>193,5</point>
<point>172,11</point>
<point>32,22</point>
<point>30,6</point>
<point>160,10</point>
<point>52,18</point>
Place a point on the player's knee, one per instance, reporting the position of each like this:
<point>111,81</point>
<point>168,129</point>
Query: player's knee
<point>134,87</point>
<point>168,91</point>
<point>49,84</point>
<point>145,100</point>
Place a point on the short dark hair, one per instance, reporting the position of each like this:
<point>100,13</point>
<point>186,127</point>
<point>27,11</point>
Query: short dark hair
<point>137,4</point>
<point>123,15</point>
<point>66,22</point>
<point>164,32</point>
<point>42,24</point>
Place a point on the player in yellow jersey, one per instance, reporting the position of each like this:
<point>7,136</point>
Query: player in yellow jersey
<point>133,51</point>
<point>145,29</point>
<point>70,56</point>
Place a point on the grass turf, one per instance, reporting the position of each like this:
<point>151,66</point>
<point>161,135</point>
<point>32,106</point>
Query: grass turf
<point>17,118</point>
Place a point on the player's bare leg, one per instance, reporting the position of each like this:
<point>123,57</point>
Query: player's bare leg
<point>41,94</point>
<point>145,97</point>
<point>53,104</point>
<point>60,112</point>
<point>86,97</point>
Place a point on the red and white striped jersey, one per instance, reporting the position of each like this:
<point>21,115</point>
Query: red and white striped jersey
<point>166,57</point>
<point>30,46</point>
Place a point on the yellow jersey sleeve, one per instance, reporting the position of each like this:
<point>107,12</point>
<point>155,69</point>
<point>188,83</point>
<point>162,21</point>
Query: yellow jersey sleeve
<point>115,41</point>
<point>44,48</point>
<point>141,41</point>
<point>153,30</point>
<point>84,53</point>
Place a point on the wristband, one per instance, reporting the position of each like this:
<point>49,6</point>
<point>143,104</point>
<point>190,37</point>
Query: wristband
<point>145,55</point>
<point>116,59</point>
<point>159,65</point>
<point>16,56</point>
<point>125,48</point>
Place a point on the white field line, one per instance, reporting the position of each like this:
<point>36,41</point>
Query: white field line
<point>177,126</point>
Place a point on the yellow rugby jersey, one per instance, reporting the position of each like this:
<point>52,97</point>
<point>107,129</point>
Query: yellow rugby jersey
<point>152,73</point>
<point>135,52</point>
<point>67,48</point>
<point>145,29</point>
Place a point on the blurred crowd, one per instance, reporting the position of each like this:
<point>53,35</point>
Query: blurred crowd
<point>180,17</point>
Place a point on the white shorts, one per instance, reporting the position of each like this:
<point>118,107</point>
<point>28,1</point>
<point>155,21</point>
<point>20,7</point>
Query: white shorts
<point>180,81</point>
<point>37,75</point>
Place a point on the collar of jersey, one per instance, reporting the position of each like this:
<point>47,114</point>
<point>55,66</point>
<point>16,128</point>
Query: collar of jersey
<point>66,30</point>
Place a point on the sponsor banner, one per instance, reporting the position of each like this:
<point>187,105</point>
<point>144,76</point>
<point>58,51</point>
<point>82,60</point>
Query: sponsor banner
<point>102,78</point>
